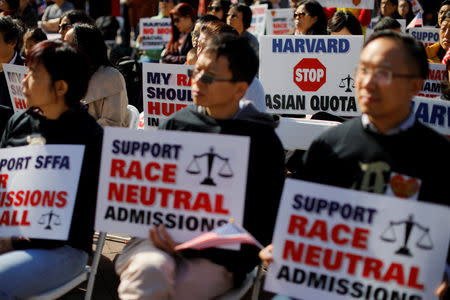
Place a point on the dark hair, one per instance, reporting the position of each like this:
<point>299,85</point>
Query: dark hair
<point>89,40</point>
<point>445,2</point>
<point>314,9</point>
<point>206,19</point>
<point>447,15</point>
<point>13,4</point>
<point>184,10</point>
<point>242,59</point>
<point>345,19</point>
<point>36,35</point>
<point>77,16</point>
<point>12,31</point>
<point>386,23</point>
<point>225,5</point>
<point>218,27</point>
<point>63,62</point>
<point>246,13</point>
<point>394,2</point>
<point>414,50</point>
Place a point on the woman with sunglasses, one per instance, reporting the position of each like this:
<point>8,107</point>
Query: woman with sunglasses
<point>31,266</point>
<point>219,8</point>
<point>71,17</point>
<point>310,18</point>
<point>183,18</point>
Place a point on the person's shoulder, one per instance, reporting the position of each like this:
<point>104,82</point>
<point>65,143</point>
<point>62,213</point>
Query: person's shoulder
<point>188,118</point>
<point>336,133</point>
<point>429,136</point>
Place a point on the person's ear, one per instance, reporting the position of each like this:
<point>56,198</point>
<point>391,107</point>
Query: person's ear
<point>240,89</point>
<point>415,86</point>
<point>61,87</point>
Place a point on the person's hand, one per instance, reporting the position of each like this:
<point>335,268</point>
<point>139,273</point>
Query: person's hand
<point>266,255</point>
<point>161,239</point>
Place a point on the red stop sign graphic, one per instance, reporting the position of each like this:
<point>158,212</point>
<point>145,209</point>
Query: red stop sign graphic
<point>310,74</point>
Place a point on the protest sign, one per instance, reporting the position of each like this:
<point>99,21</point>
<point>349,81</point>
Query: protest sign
<point>434,113</point>
<point>368,4</point>
<point>373,22</point>
<point>427,35</point>
<point>297,133</point>
<point>432,85</point>
<point>38,186</point>
<point>280,21</point>
<point>258,24</point>
<point>155,33</point>
<point>166,89</point>
<point>416,7</point>
<point>14,75</point>
<point>189,182</point>
<point>334,243</point>
<point>307,74</point>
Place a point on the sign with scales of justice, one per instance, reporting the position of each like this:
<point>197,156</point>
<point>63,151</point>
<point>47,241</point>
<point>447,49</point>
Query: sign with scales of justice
<point>347,82</point>
<point>225,170</point>
<point>47,218</point>
<point>424,242</point>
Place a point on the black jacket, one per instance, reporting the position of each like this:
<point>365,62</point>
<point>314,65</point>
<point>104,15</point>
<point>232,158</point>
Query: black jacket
<point>72,127</point>
<point>264,182</point>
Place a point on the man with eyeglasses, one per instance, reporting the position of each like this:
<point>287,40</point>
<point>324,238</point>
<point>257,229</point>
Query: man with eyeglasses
<point>221,76</point>
<point>365,153</point>
<point>386,143</point>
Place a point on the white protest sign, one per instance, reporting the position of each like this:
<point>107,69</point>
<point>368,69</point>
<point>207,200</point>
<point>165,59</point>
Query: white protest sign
<point>369,29</point>
<point>416,7</point>
<point>432,85</point>
<point>166,89</point>
<point>258,24</point>
<point>38,186</point>
<point>280,21</point>
<point>14,75</point>
<point>434,113</point>
<point>155,33</point>
<point>334,243</point>
<point>427,35</point>
<point>307,74</point>
<point>295,133</point>
<point>190,182</point>
<point>369,4</point>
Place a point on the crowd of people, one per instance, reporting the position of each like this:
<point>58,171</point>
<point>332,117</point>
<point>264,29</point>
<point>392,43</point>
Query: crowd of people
<point>74,88</point>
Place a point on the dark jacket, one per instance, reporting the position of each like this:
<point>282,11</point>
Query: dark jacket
<point>178,57</point>
<point>264,182</point>
<point>5,99</point>
<point>72,127</point>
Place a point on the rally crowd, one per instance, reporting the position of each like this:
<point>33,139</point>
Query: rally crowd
<point>77,84</point>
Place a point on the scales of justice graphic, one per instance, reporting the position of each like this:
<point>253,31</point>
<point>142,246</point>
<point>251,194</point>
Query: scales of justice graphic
<point>424,242</point>
<point>350,82</point>
<point>225,170</point>
<point>50,216</point>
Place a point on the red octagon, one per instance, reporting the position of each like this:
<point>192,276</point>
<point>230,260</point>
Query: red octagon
<point>310,74</point>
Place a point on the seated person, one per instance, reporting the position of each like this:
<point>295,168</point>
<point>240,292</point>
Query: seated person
<point>32,266</point>
<point>10,41</point>
<point>436,52</point>
<point>151,270</point>
<point>52,14</point>
<point>344,23</point>
<point>106,97</point>
<point>387,23</point>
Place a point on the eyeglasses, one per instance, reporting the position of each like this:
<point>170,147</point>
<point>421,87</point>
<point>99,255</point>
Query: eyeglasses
<point>381,76</point>
<point>206,78</point>
<point>63,27</point>
<point>297,15</point>
<point>214,8</point>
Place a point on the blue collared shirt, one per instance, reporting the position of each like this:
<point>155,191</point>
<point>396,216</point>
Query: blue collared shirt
<point>409,122</point>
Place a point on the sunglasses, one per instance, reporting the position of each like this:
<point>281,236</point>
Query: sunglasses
<point>296,15</point>
<point>64,26</point>
<point>206,78</point>
<point>214,8</point>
